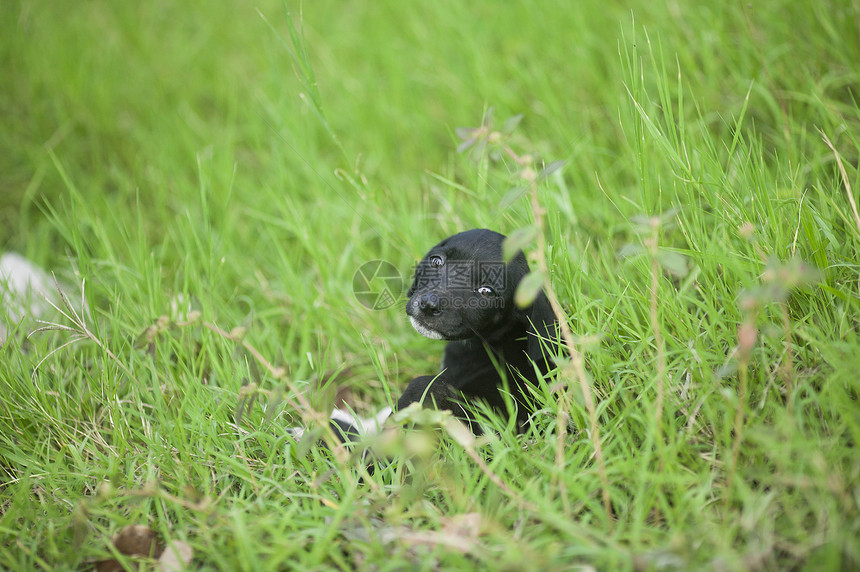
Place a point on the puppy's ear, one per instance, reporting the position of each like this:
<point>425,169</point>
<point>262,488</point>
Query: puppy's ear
<point>542,332</point>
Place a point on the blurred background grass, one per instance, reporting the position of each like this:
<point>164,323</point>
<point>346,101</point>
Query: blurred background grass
<point>101,86</point>
<point>156,113</point>
<point>170,152</point>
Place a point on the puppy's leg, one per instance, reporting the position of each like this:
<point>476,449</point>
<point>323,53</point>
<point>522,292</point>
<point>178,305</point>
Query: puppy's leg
<point>351,428</point>
<point>433,392</point>
<point>430,390</point>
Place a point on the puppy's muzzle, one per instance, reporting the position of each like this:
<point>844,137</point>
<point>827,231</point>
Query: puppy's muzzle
<point>429,304</point>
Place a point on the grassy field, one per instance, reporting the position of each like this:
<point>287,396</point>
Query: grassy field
<point>213,175</point>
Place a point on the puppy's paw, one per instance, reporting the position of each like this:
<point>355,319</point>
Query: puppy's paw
<point>360,426</point>
<point>296,432</point>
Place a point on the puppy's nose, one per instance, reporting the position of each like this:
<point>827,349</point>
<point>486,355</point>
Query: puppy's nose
<point>429,304</point>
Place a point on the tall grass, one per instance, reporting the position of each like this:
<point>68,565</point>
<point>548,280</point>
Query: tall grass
<point>213,176</point>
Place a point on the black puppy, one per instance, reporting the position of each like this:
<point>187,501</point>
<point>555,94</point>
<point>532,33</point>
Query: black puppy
<point>463,292</point>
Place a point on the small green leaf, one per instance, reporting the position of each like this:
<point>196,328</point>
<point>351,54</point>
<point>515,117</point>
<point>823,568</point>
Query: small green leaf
<point>528,289</point>
<point>551,168</point>
<point>465,145</point>
<point>642,222</point>
<point>630,250</point>
<point>517,241</point>
<point>512,123</point>
<point>674,262</point>
<point>419,415</point>
<point>458,431</point>
<point>465,133</point>
<point>512,196</point>
<point>487,120</point>
<point>478,149</point>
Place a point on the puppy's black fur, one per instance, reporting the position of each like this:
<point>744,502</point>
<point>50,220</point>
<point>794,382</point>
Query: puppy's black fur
<point>463,292</point>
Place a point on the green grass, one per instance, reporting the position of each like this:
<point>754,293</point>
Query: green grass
<point>175,156</point>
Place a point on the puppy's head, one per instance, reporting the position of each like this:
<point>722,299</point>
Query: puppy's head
<point>463,289</point>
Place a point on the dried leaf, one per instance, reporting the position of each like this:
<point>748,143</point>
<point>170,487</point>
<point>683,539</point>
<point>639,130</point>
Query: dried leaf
<point>176,557</point>
<point>109,565</point>
<point>432,538</point>
<point>137,540</point>
<point>133,540</point>
<point>466,525</point>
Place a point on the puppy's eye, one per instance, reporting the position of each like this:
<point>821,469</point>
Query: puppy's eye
<point>485,291</point>
<point>436,261</point>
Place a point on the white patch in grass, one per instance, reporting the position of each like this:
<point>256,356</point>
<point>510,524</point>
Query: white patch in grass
<point>368,426</point>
